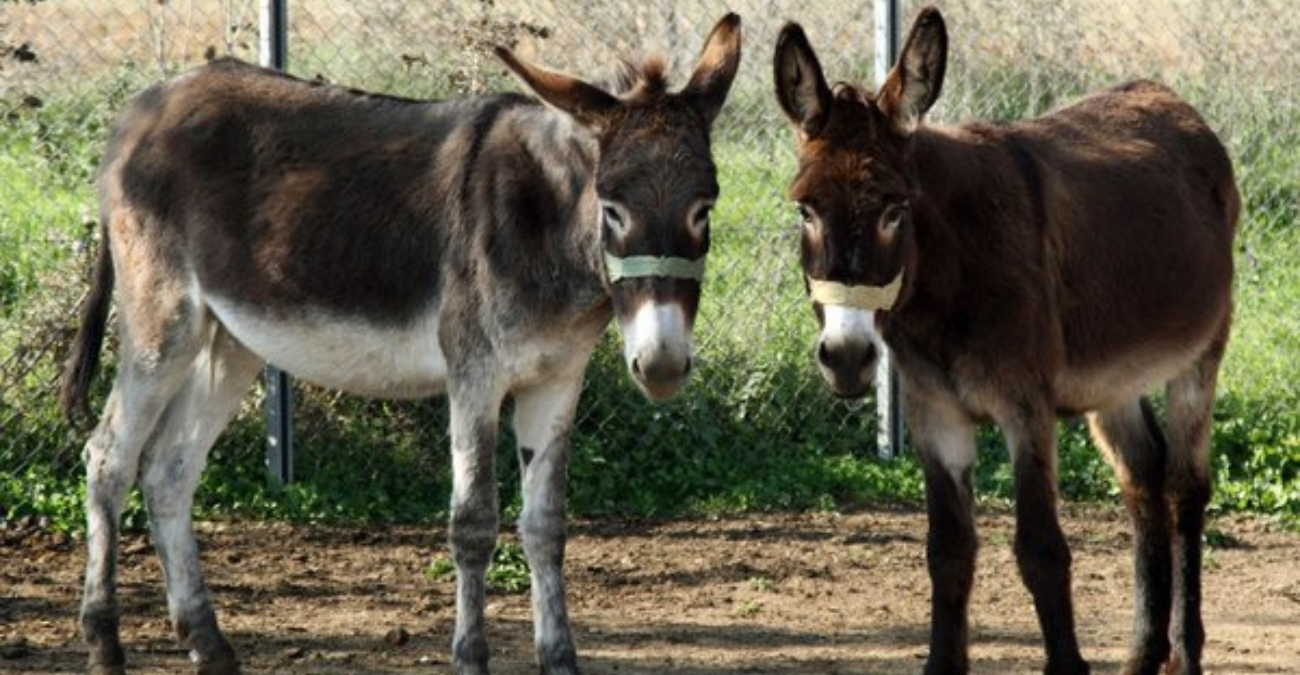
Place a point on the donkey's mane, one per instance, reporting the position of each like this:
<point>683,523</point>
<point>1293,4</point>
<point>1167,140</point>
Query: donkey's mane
<point>849,91</point>
<point>646,75</point>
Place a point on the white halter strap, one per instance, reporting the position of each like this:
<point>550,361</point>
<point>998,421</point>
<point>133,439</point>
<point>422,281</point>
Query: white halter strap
<point>633,267</point>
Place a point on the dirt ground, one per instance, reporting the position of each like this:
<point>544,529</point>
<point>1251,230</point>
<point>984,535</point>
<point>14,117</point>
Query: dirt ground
<point>801,594</point>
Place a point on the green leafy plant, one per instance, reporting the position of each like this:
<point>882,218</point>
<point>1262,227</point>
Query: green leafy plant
<point>507,573</point>
<point>440,568</point>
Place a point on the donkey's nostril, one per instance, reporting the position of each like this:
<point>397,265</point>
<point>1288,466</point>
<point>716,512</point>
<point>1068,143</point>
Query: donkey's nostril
<point>823,354</point>
<point>687,370</point>
<point>636,366</point>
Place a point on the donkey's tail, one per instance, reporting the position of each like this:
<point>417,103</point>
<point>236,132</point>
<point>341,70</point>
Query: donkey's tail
<point>83,360</point>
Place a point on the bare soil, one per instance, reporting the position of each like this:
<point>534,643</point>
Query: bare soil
<point>801,594</point>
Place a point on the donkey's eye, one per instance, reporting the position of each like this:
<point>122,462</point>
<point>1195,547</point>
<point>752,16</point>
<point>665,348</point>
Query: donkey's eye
<point>612,217</point>
<point>700,221</point>
<point>893,217</point>
<point>805,215</point>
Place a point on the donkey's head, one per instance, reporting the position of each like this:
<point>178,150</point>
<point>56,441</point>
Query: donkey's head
<point>655,182</point>
<point>853,191</point>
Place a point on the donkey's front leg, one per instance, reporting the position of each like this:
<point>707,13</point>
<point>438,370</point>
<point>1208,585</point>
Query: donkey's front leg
<point>543,417</point>
<point>474,518</point>
<point>1041,550</point>
<point>945,439</point>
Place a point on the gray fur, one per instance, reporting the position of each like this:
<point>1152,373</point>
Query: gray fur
<point>386,247</point>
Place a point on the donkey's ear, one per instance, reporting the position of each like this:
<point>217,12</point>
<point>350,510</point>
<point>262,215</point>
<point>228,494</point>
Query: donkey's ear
<point>716,68</point>
<point>916,80</point>
<point>587,104</point>
<point>800,86</point>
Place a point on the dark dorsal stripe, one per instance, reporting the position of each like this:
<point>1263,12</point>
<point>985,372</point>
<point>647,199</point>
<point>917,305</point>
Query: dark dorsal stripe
<point>485,119</point>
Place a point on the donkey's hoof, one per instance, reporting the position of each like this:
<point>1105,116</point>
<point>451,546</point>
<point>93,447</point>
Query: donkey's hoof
<point>935,666</point>
<point>470,656</point>
<point>558,658</point>
<point>1139,664</point>
<point>1177,665</point>
<point>1072,667</point>
<point>218,668</point>
<point>102,669</point>
<point>224,666</point>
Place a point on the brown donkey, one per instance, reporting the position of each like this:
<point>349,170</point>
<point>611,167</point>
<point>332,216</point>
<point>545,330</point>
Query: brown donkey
<point>1054,266</point>
<point>395,248</point>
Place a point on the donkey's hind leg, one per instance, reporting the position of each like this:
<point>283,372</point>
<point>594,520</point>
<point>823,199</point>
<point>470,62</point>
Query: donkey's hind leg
<point>152,367</point>
<point>1130,437</point>
<point>542,420</point>
<point>169,474</point>
<point>1190,398</point>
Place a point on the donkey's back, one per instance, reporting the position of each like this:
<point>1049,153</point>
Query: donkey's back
<point>320,226</point>
<point>1131,201</point>
<point>346,193</point>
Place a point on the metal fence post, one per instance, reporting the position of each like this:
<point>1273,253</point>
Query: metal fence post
<point>273,53</point>
<point>279,426</point>
<point>889,408</point>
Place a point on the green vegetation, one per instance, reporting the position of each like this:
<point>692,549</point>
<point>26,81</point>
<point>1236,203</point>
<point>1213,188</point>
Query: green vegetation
<point>755,430</point>
<point>507,573</point>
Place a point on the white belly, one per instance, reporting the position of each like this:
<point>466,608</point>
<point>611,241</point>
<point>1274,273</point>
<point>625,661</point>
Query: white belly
<point>345,353</point>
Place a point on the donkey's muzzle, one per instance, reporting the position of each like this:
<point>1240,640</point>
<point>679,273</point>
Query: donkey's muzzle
<point>657,348</point>
<point>847,349</point>
<point>661,375</point>
<point>847,366</point>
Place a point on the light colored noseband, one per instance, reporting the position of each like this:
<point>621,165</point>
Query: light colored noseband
<point>637,266</point>
<point>869,298</point>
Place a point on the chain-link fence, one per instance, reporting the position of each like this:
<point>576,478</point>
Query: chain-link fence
<point>67,67</point>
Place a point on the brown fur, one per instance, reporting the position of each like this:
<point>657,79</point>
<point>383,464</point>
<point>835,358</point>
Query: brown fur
<point>1062,264</point>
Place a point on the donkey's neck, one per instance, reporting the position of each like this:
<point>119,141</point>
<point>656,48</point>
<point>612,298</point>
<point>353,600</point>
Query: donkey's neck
<point>543,238</point>
<point>962,206</point>
<point>566,154</point>
<point>945,168</point>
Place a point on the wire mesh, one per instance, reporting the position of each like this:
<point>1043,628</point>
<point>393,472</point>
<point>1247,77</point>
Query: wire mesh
<point>67,67</point>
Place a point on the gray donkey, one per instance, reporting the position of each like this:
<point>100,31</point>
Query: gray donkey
<point>387,247</point>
